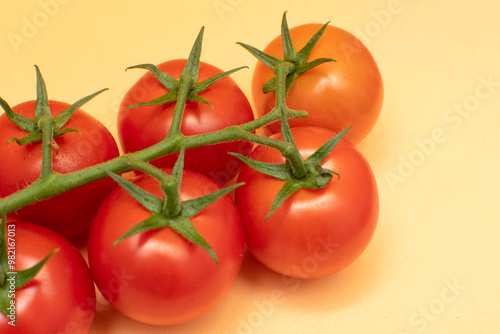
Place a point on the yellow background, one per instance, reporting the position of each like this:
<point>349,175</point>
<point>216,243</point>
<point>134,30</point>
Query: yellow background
<point>433,264</point>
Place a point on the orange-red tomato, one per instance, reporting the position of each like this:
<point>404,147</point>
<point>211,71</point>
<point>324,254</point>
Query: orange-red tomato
<point>143,126</point>
<point>314,233</point>
<point>158,277</point>
<point>70,213</point>
<point>336,95</point>
<point>61,297</point>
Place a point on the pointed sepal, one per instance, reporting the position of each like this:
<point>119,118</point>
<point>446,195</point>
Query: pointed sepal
<point>42,100</point>
<point>289,52</point>
<point>192,207</point>
<point>23,277</point>
<point>10,279</point>
<point>165,213</point>
<point>320,155</point>
<point>42,109</point>
<point>165,79</point>
<point>316,177</point>
<point>268,60</point>
<point>288,190</point>
<point>147,200</point>
<point>191,69</point>
<point>61,119</point>
<point>185,228</point>
<point>278,171</point>
<point>24,123</point>
<point>156,221</point>
<point>290,55</point>
<point>193,62</point>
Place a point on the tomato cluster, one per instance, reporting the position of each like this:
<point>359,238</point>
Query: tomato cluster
<point>166,244</point>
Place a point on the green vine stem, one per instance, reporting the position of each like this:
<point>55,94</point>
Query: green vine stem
<point>47,126</point>
<point>186,82</point>
<point>168,183</point>
<point>51,184</point>
<point>48,187</point>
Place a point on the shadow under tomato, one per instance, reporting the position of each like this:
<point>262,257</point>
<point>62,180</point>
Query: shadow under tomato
<point>80,240</point>
<point>349,286</point>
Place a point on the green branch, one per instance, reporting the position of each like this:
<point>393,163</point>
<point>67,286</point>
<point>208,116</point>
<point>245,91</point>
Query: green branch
<point>60,183</point>
<point>51,184</point>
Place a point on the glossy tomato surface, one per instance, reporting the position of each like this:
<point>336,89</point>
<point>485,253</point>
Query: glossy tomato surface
<point>61,297</point>
<point>314,233</point>
<point>143,126</point>
<point>158,277</point>
<point>336,95</point>
<point>70,213</point>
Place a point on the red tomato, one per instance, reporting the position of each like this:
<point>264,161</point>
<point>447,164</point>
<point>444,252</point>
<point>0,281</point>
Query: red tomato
<point>158,277</point>
<point>70,213</point>
<point>141,127</point>
<point>336,95</point>
<point>61,297</point>
<point>314,233</point>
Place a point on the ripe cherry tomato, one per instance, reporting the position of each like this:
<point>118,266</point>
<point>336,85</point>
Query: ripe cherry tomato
<point>143,126</point>
<point>336,95</point>
<point>61,297</point>
<point>158,277</point>
<point>70,213</point>
<point>314,233</point>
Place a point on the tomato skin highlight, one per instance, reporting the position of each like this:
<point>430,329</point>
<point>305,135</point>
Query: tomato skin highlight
<point>158,277</point>
<point>314,233</point>
<point>336,95</point>
<point>61,297</point>
<point>70,213</point>
<point>141,127</point>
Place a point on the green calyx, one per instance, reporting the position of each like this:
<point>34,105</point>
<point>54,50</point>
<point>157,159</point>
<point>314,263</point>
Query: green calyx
<point>297,60</point>
<point>42,110</point>
<point>296,172</point>
<point>169,211</point>
<point>10,279</point>
<point>312,174</point>
<point>188,79</point>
